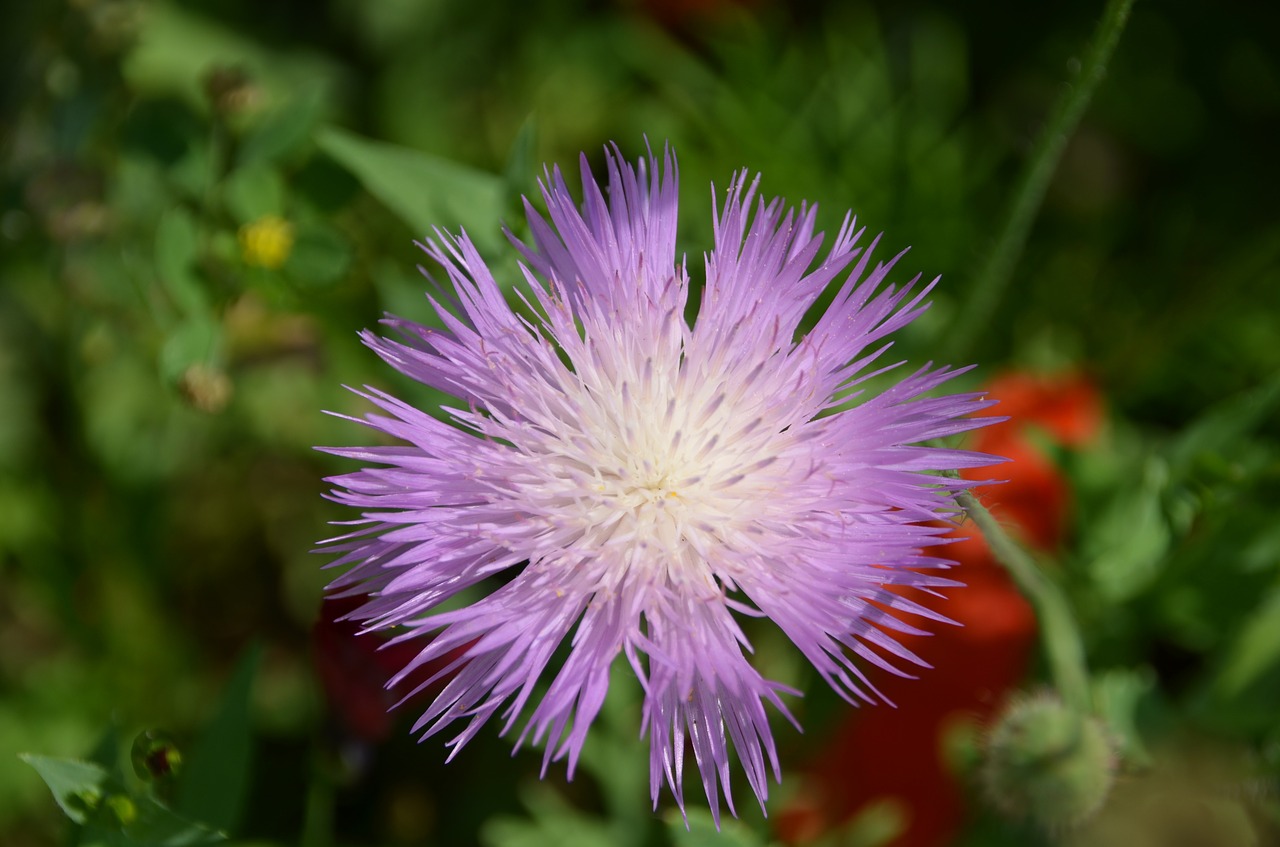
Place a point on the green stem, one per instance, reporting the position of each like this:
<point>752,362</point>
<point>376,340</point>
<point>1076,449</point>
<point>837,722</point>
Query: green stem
<point>1062,640</point>
<point>317,823</point>
<point>975,314</point>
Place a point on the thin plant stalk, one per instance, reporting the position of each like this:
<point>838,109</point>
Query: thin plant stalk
<point>975,314</point>
<point>1063,645</point>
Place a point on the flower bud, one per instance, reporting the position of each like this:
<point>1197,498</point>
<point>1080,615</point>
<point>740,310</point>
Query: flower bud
<point>206,388</point>
<point>155,756</point>
<point>232,91</point>
<point>1048,763</point>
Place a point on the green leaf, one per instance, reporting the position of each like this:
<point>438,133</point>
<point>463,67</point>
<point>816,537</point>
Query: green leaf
<point>1255,650</point>
<point>253,192</point>
<point>618,763</point>
<point>425,191</point>
<point>215,783</point>
<point>107,754</point>
<point>1129,543</point>
<point>90,796</point>
<point>156,825</point>
<point>519,171</point>
<point>553,823</point>
<point>701,831</point>
<point>286,129</point>
<point>400,291</point>
<point>1117,694</point>
<point>177,245</point>
<point>878,823</point>
<point>77,786</point>
<point>320,257</point>
<point>176,48</point>
<point>1223,425</point>
<point>194,342</point>
<point>195,172</point>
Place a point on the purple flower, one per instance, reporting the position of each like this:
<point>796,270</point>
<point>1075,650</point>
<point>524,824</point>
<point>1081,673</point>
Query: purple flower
<point>637,478</point>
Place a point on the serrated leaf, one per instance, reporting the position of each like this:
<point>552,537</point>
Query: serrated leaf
<point>215,781</point>
<point>425,191</point>
<point>78,786</point>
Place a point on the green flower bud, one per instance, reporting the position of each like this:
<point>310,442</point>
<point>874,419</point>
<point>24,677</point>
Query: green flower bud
<point>155,756</point>
<point>1047,763</point>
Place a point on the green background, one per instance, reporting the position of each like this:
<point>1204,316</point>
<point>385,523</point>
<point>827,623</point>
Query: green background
<point>160,396</point>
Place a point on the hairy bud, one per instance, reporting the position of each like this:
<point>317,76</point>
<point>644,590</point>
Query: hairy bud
<point>1048,763</point>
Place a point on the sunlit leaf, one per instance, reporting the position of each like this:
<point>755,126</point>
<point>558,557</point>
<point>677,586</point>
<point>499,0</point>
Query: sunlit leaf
<point>424,190</point>
<point>77,786</point>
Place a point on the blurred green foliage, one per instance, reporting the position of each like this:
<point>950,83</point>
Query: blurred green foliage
<point>202,203</point>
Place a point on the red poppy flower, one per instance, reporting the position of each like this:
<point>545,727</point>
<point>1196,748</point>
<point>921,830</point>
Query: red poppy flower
<point>974,665</point>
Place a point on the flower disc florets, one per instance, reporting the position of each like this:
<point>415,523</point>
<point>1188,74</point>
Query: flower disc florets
<point>640,478</point>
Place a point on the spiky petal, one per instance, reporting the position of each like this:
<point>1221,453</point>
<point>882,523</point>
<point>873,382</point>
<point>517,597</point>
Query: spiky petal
<point>640,480</point>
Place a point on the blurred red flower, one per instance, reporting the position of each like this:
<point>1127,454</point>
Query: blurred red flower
<point>974,665</point>
<point>1067,407</point>
<point>354,670</point>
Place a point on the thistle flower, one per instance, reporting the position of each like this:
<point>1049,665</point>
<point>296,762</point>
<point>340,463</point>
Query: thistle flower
<point>640,480</point>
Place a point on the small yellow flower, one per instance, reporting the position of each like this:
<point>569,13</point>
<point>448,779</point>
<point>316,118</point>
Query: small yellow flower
<point>267,242</point>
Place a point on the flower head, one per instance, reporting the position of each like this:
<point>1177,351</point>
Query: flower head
<point>266,242</point>
<point>640,480</point>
